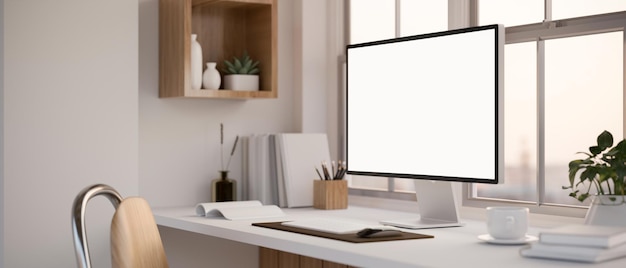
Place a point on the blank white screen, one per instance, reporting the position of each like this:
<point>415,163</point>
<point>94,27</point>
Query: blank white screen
<point>424,107</point>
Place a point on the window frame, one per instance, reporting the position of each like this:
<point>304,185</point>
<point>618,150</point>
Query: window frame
<point>539,33</point>
<point>465,14</point>
<point>458,10</point>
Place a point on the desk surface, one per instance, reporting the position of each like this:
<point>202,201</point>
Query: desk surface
<point>451,247</point>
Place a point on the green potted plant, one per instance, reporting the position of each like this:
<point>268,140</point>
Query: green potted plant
<point>241,73</point>
<point>604,170</point>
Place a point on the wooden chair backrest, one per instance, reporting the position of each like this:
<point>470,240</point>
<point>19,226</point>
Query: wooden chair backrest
<point>135,239</point>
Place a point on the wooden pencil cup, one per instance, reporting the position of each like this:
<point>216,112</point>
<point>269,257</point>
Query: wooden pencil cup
<point>332,194</point>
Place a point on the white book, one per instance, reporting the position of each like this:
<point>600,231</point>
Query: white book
<point>246,166</point>
<point>585,235</point>
<point>273,174</point>
<point>280,178</point>
<point>238,210</point>
<point>573,253</point>
<point>301,153</point>
<point>259,181</point>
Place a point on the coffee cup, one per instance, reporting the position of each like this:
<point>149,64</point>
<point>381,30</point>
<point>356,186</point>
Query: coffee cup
<point>507,223</point>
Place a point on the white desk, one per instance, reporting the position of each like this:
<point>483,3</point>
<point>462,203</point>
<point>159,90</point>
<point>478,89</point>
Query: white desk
<point>451,247</point>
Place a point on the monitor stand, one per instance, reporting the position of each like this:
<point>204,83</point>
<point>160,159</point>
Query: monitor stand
<point>437,206</point>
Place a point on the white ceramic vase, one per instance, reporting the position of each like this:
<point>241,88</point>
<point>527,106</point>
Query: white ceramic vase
<point>607,210</point>
<point>196,63</point>
<point>211,78</point>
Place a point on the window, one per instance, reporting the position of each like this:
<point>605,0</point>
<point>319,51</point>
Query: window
<point>558,75</point>
<point>372,20</point>
<point>564,84</point>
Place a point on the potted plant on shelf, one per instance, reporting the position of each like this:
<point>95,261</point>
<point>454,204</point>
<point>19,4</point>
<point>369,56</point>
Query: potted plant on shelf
<point>241,74</point>
<point>604,170</point>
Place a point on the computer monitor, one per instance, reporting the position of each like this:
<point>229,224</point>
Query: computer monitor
<point>428,107</point>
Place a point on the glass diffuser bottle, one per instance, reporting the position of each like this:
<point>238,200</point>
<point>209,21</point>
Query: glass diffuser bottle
<point>224,189</point>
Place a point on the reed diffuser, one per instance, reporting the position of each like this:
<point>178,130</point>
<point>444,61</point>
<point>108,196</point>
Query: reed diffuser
<point>225,188</point>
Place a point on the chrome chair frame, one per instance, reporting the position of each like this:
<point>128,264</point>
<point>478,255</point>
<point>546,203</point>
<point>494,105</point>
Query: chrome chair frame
<point>79,230</point>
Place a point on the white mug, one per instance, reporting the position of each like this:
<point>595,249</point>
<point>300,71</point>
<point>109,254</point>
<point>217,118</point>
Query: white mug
<point>507,222</point>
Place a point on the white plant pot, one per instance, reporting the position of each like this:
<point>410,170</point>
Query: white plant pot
<point>241,82</point>
<point>607,210</point>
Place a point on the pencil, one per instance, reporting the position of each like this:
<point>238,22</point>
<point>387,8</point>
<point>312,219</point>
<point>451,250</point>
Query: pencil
<point>318,173</point>
<point>325,170</point>
<point>338,172</point>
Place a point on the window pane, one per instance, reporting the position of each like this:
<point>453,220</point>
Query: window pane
<point>423,16</point>
<point>368,182</point>
<point>510,12</point>
<point>404,185</point>
<point>520,126</point>
<point>372,20</point>
<point>583,98</point>
<point>562,9</point>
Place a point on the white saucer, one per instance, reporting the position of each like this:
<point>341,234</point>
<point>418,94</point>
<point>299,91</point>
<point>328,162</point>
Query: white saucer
<point>527,239</point>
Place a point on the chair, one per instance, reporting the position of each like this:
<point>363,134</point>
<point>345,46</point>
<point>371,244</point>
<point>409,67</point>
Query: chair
<point>135,239</point>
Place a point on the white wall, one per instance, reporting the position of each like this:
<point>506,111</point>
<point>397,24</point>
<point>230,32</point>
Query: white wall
<point>80,106</point>
<point>70,120</point>
<point>179,138</point>
<point>179,141</point>
<point>2,202</point>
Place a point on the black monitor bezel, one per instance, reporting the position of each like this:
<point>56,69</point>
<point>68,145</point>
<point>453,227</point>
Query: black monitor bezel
<point>499,50</point>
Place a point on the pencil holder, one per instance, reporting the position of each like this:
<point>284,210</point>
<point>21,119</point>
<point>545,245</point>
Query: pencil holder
<point>331,194</point>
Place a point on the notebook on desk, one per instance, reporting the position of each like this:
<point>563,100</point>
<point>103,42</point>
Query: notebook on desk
<point>238,210</point>
<point>349,237</point>
<point>327,225</point>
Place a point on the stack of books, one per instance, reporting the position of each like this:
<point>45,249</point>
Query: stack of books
<point>583,243</point>
<point>279,169</point>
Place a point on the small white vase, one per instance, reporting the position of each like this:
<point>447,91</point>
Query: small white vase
<point>241,82</point>
<point>607,210</point>
<point>196,63</point>
<point>211,78</point>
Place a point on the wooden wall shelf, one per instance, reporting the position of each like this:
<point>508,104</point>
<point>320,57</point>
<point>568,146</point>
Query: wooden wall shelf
<point>225,28</point>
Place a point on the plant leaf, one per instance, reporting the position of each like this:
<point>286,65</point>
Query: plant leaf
<point>613,152</point>
<point>572,175</point>
<point>230,68</point>
<point>242,65</point>
<point>595,150</point>
<point>575,163</point>
<point>621,144</point>
<point>605,140</point>
<point>246,67</point>
<point>238,64</point>
<point>603,176</point>
<point>229,64</point>
<point>588,174</point>
<point>582,197</point>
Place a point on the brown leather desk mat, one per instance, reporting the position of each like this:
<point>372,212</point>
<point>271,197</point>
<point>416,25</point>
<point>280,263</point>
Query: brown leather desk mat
<point>343,237</point>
